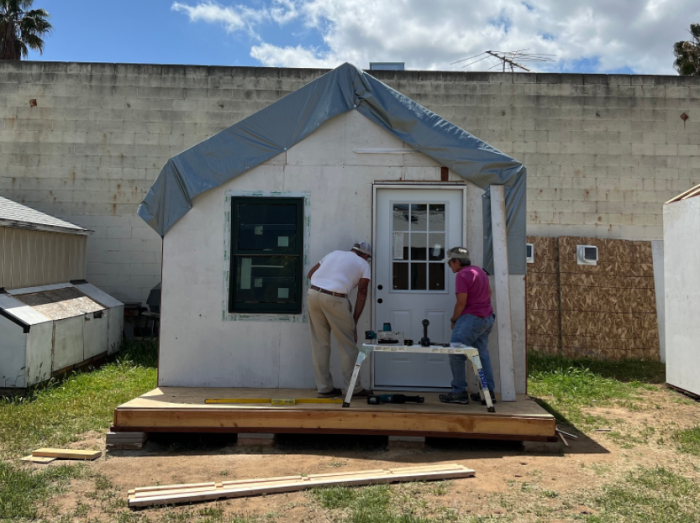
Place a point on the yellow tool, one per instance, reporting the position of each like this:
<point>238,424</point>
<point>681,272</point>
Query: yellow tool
<point>275,401</point>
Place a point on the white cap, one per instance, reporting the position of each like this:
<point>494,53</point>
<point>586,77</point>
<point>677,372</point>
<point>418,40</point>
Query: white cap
<point>363,247</point>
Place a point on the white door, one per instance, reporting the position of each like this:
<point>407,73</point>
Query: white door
<point>412,282</point>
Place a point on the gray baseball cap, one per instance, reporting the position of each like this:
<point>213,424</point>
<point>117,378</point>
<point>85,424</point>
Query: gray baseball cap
<point>457,253</point>
<point>363,247</point>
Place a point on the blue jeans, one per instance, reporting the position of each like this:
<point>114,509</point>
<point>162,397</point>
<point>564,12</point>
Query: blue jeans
<point>473,332</point>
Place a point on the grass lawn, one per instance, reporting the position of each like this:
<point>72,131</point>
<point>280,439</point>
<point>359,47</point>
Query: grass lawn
<point>584,395</point>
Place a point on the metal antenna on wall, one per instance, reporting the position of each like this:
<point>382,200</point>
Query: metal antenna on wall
<point>506,59</point>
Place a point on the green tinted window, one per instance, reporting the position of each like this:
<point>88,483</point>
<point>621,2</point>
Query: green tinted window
<point>266,255</point>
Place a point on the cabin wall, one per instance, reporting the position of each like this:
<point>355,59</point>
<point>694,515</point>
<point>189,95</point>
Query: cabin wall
<point>197,347</point>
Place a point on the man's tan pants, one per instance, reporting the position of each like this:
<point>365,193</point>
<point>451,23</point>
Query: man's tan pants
<point>331,314</point>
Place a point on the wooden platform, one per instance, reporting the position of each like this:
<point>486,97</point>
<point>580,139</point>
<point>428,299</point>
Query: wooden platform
<point>182,409</point>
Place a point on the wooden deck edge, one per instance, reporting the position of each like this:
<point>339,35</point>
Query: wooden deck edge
<point>357,432</point>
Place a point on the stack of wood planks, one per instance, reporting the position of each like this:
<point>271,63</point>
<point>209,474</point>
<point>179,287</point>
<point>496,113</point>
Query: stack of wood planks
<point>195,492</point>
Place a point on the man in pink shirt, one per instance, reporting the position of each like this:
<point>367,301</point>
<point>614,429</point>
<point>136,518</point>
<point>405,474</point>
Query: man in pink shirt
<point>471,323</point>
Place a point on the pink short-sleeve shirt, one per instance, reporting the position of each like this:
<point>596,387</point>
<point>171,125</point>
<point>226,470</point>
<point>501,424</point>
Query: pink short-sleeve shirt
<point>474,282</point>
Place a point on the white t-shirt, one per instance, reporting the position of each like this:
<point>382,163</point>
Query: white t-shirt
<point>341,271</point>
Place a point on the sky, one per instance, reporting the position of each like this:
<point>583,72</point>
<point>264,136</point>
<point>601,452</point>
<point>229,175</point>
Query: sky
<point>589,36</point>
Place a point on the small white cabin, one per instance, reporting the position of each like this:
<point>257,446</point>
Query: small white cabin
<point>245,214</point>
<point>682,290</point>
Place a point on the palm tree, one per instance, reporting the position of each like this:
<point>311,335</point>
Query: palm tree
<point>21,29</point>
<point>688,54</point>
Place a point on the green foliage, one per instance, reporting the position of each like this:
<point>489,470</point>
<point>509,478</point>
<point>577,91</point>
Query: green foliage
<point>649,496</point>
<point>21,29</point>
<point>687,53</point>
<point>570,385</point>
<point>381,504</point>
<point>56,413</point>
<point>688,440</point>
<point>21,489</point>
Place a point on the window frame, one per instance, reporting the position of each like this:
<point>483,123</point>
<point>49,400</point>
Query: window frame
<point>236,254</point>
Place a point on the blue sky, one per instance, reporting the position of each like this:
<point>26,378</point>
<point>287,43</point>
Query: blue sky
<point>601,36</point>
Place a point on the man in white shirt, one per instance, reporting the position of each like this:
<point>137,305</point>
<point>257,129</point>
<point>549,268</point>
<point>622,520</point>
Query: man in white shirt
<point>332,279</point>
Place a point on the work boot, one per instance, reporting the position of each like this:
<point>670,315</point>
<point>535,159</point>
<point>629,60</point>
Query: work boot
<point>477,397</point>
<point>462,398</point>
<point>335,393</point>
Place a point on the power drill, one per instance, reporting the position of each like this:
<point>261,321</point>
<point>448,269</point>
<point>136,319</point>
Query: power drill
<point>393,398</point>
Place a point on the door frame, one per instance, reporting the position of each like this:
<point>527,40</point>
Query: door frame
<point>376,186</point>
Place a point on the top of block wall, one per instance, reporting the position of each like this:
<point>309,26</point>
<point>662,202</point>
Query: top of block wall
<point>300,73</point>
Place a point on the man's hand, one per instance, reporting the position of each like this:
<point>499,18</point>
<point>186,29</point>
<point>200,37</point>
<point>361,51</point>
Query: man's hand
<point>452,326</point>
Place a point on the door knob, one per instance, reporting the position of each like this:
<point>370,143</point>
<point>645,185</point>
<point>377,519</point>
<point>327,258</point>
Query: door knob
<point>380,300</point>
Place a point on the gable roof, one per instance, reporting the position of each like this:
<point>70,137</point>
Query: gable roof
<point>13,214</point>
<point>288,121</point>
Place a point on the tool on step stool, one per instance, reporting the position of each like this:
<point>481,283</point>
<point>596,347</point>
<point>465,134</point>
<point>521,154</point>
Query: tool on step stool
<point>393,398</point>
<point>425,341</point>
<point>274,401</point>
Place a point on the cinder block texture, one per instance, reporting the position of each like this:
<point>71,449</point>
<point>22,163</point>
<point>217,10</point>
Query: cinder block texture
<point>603,152</point>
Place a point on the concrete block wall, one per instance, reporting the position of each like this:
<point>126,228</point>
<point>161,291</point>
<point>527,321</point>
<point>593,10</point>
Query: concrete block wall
<point>85,141</point>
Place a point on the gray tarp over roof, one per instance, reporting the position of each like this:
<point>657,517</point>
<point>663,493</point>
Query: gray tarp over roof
<point>288,121</point>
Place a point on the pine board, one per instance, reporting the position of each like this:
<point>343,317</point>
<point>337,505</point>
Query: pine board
<point>67,453</point>
<point>246,488</point>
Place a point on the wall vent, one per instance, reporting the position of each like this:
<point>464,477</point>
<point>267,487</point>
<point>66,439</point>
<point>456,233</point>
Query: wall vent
<point>587,254</point>
<point>530,253</point>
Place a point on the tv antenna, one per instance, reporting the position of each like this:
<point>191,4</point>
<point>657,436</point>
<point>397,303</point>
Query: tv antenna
<point>506,59</point>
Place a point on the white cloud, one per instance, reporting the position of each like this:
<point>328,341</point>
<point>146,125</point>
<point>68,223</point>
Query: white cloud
<point>234,19</point>
<point>636,34</point>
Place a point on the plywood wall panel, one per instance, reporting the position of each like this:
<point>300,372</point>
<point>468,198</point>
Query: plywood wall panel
<point>542,297</point>
<point>592,280</point>
<point>543,322</point>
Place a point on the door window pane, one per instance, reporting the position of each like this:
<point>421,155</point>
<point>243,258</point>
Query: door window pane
<point>400,217</point>
<point>436,276</point>
<point>400,276</point>
<point>419,217</point>
<point>418,277</point>
<point>436,246</point>
<point>436,218</point>
<point>400,246</point>
<point>418,246</point>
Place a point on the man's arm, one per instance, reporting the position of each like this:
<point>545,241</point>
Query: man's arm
<point>361,298</point>
<point>459,306</point>
<point>313,270</point>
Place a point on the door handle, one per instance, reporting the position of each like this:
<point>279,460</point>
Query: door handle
<point>380,300</point>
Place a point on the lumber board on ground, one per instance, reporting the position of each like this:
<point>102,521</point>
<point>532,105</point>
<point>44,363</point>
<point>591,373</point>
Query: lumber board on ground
<point>67,453</point>
<point>245,488</point>
<point>37,459</point>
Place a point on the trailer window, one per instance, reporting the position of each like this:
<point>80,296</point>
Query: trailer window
<point>266,255</point>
